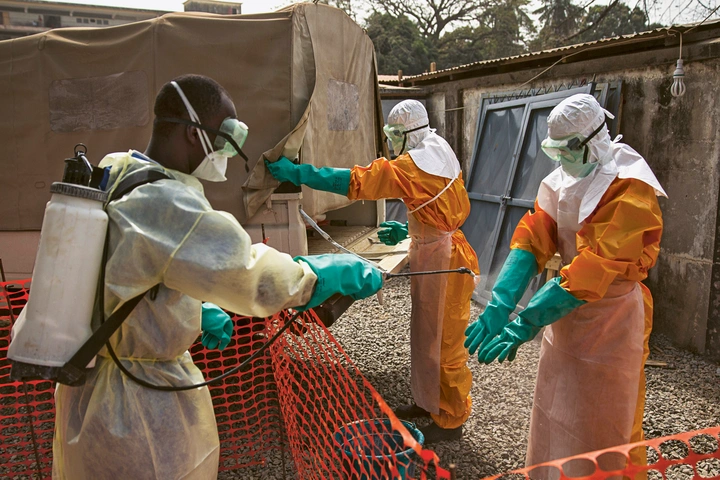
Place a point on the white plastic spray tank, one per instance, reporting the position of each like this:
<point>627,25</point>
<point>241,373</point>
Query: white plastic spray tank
<point>57,318</point>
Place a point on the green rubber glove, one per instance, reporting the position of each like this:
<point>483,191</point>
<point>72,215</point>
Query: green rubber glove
<point>394,234</point>
<point>341,273</point>
<point>548,305</point>
<point>217,327</point>
<point>519,268</point>
<point>327,179</point>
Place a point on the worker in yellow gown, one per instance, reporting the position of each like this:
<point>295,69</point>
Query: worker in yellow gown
<point>426,176</point>
<point>600,211</point>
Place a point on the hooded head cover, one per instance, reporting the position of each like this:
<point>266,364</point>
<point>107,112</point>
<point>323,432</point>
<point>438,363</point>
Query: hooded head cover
<point>581,116</point>
<point>412,115</point>
<point>409,130</point>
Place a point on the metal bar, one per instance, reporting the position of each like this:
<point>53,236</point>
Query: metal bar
<point>327,237</point>
<point>464,270</point>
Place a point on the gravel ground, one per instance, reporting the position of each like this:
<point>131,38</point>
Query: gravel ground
<point>679,399</point>
<point>683,397</point>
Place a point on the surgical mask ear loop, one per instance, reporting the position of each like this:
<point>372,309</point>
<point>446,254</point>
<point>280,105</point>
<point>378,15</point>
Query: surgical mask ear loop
<point>195,118</point>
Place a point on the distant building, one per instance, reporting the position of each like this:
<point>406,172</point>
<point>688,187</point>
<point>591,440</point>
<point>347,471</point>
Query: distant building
<point>26,17</point>
<point>213,6</point>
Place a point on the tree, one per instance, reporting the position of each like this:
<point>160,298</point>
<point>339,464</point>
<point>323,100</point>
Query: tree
<point>462,46</point>
<point>432,16</point>
<point>620,20</point>
<point>560,19</point>
<point>349,6</point>
<point>509,25</point>
<point>398,44</point>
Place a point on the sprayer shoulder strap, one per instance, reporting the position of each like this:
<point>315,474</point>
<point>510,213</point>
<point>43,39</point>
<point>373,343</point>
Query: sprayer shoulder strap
<point>75,367</point>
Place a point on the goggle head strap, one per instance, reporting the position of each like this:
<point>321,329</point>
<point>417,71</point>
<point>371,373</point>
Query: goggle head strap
<point>224,135</point>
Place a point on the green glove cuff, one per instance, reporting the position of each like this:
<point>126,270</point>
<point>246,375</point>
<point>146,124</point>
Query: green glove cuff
<point>519,268</point>
<point>217,327</point>
<point>549,304</point>
<point>327,179</point>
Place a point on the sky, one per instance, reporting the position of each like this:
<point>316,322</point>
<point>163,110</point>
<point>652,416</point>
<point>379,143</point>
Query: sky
<point>664,11</point>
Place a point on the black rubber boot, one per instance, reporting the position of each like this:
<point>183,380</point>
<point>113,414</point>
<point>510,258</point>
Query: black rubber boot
<point>434,434</point>
<point>406,412</point>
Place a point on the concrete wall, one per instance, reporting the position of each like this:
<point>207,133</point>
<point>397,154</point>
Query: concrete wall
<point>678,137</point>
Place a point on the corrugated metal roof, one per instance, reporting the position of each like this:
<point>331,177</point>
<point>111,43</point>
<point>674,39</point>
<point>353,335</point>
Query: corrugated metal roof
<point>604,42</point>
<point>387,78</point>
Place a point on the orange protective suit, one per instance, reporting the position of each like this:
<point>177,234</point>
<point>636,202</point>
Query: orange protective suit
<point>615,247</point>
<point>440,380</point>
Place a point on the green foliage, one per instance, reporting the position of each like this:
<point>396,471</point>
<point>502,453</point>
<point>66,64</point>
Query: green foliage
<point>398,44</point>
<point>409,34</point>
<point>620,20</point>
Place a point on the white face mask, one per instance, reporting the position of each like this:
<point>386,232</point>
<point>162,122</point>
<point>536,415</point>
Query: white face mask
<point>212,168</point>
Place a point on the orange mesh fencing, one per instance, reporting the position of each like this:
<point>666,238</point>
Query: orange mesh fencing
<point>303,395</point>
<point>682,456</point>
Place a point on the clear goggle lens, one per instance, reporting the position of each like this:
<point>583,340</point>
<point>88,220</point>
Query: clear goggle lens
<point>236,130</point>
<point>394,132</point>
<point>569,148</point>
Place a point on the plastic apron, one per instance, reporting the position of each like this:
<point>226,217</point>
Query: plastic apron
<point>590,360</point>
<point>430,249</point>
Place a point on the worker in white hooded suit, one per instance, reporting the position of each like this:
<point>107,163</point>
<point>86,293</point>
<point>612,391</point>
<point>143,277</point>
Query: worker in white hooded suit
<point>600,211</point>
<point>166,234</point>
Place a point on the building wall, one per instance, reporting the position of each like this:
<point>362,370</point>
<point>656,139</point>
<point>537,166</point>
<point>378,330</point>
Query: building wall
<point>679,139</point>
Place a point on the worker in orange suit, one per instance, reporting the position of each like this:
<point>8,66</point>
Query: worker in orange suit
<point>600,211</point>
<point>426,176</point>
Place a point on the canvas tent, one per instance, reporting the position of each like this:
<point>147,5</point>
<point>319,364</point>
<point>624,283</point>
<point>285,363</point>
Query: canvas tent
<point>303,79</point>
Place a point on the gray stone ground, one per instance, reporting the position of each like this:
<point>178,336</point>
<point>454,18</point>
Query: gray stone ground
<point>377,338</point>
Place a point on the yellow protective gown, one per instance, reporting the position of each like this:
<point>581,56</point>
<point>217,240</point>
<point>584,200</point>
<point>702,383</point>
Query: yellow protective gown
<point>440,377</point>
<point>165,233</point>
<point>590,391</point>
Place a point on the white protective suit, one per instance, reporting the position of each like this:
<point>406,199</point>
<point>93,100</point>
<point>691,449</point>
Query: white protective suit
<point>165,233</point>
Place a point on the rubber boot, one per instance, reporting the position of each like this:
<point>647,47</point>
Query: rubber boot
<point>407,412</point>
<point>435,434</point>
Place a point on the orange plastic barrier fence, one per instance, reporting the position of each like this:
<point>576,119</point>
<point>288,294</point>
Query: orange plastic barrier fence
<point>303,396</point>
<point>682,456</point>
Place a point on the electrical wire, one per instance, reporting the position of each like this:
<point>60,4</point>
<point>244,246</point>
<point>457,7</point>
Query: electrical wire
<point>327,237</point>
<point>32,432</point>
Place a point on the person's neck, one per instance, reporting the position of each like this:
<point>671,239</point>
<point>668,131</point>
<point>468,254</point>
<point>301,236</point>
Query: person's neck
<point>163,153</point>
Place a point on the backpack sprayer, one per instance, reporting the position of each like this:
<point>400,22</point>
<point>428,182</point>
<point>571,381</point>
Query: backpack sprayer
<point>56,320</point>
<point>53,338</point>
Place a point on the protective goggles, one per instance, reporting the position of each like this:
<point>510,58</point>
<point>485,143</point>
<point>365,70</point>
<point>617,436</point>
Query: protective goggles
<point>572,149</point>
<point>396,132</point>
<point>229,139</point>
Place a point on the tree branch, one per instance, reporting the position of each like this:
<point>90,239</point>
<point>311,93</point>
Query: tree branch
<point>594,24</point>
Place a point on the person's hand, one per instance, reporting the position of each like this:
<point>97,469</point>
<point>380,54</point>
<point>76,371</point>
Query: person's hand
<point>284,170</point>
<point>549,304</point>
<point>394,233</point>
<point>341,273</point>
<point>217,327</point>
<point>488,325</point>
<point>503,346</point>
